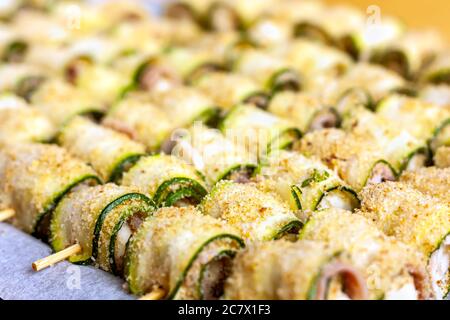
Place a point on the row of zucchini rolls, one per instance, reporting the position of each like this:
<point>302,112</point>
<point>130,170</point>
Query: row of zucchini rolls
<point>230,149</point>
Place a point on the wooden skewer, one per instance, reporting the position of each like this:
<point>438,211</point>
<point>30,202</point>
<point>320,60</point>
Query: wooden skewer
<point>55,258</point>
<point>156,294</point>
<point>6,214</point>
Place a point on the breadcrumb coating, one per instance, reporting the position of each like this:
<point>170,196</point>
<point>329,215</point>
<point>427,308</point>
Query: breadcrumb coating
<point>257,215</point>
<point>432,181</point>
<point>407,214</point>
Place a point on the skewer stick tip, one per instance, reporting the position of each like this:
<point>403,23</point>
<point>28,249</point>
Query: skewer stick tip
<point>6,214</point>
<point>55,258</point>
<point>156,294</point>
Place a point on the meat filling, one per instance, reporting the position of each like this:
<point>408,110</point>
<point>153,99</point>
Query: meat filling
<point>439,267</point>
<point>339,281</point>
<point>381,172</point>
<point>126,231</point>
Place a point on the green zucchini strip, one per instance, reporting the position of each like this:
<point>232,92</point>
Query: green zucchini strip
<point>44,218</point>
<point>167,179</point>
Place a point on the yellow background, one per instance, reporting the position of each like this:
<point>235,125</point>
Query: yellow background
<point>415,13</point>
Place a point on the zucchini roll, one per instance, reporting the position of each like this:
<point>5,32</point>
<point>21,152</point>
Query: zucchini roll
<point>392,270</point>
<point>21,123</point>
<point>185,253</point>
<point>20,78</point>
<point>259,216</point>
<point>100,219</point>
<point>191,10</point>
<point>214,155</point>
<point>306,184</point>
<point>228,90</point>
<point>438,72</point>
<point>224,15</point>
<point>305,270</point>
<point>356,161</point>
<point>276,26</point>
<point>442,157</point>
<point>305,110</point>
<point>330,25</point>
<point>365,82</point>
<point>36,178</point>
<point>268,70</point>
<point>436,94</point>
<point>187,62</point>
<point>185,105</point>
<point>168,180</point>
<point>258,131</point>
<point>13,48</point>
<point>102,84</point>
<point>399,147</point>
<point>110,153</point>
<point>60,102</point>
<point>311,59</point>
<point>409,215</point>
<point>432,181</point>
<point>132,116</point>
<point>411,53</point>
<point>430,121</point>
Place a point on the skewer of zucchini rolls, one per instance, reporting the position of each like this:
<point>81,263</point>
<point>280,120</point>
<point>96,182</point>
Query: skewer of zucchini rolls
<point>228,90</point>
<point>304,270</point>
<point>411,53</point>
<point>258,131</point>
<point>364,84</point>
<point>269,71</point>
<point>35,179</point>
<point>391,269</point>
<point>306,184</point>
<point>417,219</point>
<point>357,161</point>
<point>109,152</point>
<point>399,147</point>
<point>258,215</point>
<point>431,122</point>
<point>183,252</point>
<point>60,102</point>
<point>170,181</point>
<point>100,219</point>
<point>21,123</point>
<point>305,110</point>
<point>140,120</point>
<point>217,157</point>
<point>438,72</point>
<point>432,181</point>
<point>442,157</point>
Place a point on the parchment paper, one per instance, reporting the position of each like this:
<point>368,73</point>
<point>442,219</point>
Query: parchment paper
<point>63,281</point>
